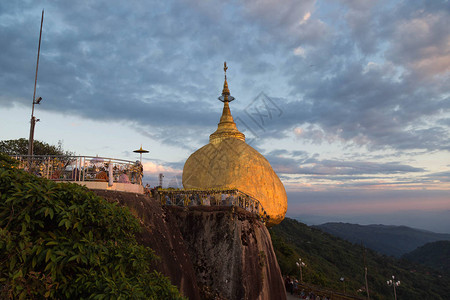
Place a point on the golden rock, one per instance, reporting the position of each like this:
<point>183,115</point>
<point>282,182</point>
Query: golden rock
<point>227,162</point>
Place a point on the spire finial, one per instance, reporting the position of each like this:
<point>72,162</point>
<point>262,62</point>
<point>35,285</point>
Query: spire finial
<point>226,127</point>
<point>225,92</point>
<point>225,68</point>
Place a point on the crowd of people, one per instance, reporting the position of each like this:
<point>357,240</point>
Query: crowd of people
<point>186,198</point>
<point>69,169</point>
<point>293,287</point>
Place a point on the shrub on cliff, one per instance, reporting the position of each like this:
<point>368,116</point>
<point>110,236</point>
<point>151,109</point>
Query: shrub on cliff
<point>62,241</point>
<point>20,147</point>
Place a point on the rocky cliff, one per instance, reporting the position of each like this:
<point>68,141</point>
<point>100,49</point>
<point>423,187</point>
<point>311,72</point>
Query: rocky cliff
<point>208,252</point>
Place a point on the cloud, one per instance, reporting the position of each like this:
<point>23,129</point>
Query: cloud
<point>301,163</point>
<point>443,177</point>
<point>374,80</point>
<point>139,65</point>
<point>171,175</point>
<point>299,51</point>
<point>422,44</point>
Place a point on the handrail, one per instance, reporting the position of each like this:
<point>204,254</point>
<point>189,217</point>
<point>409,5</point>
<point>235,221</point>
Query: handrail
<point>75,156</point>
<point>212,197</point>
<point>82,168</point>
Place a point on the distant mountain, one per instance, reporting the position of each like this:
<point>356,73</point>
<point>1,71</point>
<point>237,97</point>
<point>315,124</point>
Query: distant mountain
<point>329,258</point>
<point>389,240</point>
<point>435,255</point>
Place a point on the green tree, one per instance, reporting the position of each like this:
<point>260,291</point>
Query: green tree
<point>20,147</point>
<point>61,241</point>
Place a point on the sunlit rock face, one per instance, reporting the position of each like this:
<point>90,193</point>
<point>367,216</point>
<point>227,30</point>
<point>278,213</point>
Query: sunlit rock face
<point>231,163</point>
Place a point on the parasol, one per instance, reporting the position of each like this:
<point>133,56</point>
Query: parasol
<point>140,151</point>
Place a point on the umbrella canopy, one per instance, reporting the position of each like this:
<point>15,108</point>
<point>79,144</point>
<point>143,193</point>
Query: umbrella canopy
<point>141,150</point>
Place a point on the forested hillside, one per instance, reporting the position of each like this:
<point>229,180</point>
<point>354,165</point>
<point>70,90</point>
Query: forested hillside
<point>435,255</point>
<point>329,258</point>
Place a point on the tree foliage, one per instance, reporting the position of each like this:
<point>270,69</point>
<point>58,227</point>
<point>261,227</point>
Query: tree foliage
<point>329,258</point>
<point>20,147</point>
<point>435,255</point>
<point>61,241</point>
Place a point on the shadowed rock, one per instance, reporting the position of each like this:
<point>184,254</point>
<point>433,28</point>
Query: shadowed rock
<point>208,252</point>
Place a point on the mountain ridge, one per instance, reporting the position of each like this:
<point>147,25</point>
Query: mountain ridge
<point>435,255</point>
<point>390,240</point>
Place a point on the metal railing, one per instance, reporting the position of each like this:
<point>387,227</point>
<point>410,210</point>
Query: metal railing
<point>81,168</point>
<point>232,197</point>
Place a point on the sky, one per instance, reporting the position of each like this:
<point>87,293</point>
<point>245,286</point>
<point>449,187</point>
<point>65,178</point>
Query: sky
<point>348,100</point>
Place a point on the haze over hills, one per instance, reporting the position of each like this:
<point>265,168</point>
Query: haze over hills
<point>435,221</point>
<point>385,239</point>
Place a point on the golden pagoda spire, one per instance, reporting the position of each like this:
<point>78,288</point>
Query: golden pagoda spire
<point>225,91</point>
<point>226,127</point>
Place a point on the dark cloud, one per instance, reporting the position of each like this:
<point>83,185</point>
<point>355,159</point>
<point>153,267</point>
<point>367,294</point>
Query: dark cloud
<point>443,177</point>
<point>285,162</point>
<point>379,78</point>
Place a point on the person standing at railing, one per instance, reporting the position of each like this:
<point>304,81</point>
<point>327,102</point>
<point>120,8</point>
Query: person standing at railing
<point>206,200</point>
<point>137,171</point>
<point>123,178</point>
<point>76,174</point>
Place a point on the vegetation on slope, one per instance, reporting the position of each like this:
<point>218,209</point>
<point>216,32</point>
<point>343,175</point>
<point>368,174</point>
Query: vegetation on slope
<point>329,258</point>
<point>434,255</point>
<point>61,241</point>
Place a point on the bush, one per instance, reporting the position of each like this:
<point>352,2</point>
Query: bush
<point>62,241</point>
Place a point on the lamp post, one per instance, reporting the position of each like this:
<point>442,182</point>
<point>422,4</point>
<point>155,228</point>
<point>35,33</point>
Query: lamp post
<point>35,101</point>
<point>161,176</point>
<point>300,264</point>
<point>342,279</point>
<point>392,282</point>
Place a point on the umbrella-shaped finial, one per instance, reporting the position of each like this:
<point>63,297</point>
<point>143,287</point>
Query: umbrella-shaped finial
<point>140,151</point>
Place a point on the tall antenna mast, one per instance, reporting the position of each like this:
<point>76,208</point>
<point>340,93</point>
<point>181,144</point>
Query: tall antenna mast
<point>33,119</point>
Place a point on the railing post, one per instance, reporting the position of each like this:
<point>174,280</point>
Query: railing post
<point>84,168</point>
<point>110,173</point>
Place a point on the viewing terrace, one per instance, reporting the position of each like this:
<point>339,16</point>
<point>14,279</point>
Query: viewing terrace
<point>91,171</point>
<point>214,197</point>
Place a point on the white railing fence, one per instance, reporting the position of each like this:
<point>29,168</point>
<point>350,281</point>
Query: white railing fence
<point>82,168</point>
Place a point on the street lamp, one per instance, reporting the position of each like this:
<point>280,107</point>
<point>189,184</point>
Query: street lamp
<point>392,282</point>
<point>342,279</point>
<point>300,264</point>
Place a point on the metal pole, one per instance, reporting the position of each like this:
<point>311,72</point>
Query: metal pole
<point>33,119</point>
<point>365,271</point>
<point>301,274</point>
